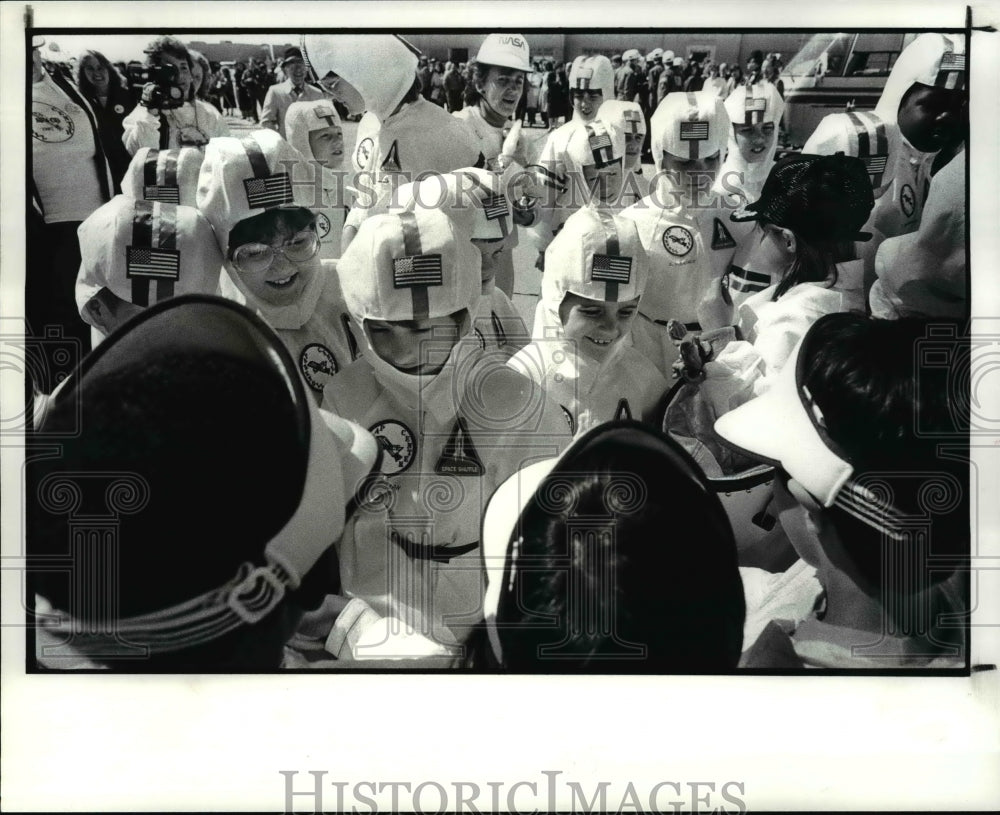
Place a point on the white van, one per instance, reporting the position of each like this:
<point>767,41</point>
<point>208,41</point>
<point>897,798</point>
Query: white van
<point>834,72</point>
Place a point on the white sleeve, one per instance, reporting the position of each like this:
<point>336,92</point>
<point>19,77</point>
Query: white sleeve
<point>141,129</point>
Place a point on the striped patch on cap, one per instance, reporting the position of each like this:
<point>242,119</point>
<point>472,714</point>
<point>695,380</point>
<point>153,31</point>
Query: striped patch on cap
<point>611,268</point>
<point>758,103</point>
<point>495,206</point>
<point>633,119</point>
<point>164,194</point>
<point>266,193</point>
<point>953,62</point>
<point>951,70</point>
<point>694,131</point>
<point>160,264</point>
<point>417,270</point>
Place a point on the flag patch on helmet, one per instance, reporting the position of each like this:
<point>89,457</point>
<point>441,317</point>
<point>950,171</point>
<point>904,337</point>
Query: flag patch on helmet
<point>694,131</point>
<point>157,263</point>
<point>599,140</point>
<point>756,103</point>
<point>164,193</point>
<point>632,119</point>
<point>272,191</point>
<point>611,268</point>
<point>953,62</point>
<point>495,206</point>
<point>417,270</point>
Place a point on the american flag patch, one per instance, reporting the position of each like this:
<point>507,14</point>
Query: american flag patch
<point>272,191</point>
<point>495,206</point>
<point>611,268</point>
<point>163,264</point>
<point>694,131</point>
<point>632,119</point>
<point>876,164</point>
<point>599,141</point>
<point>953,62</point>
<point>417,270</point>
<point>585,73</point>
<point>163,193</point>
<point>755,103</point>
<point>324,112</point>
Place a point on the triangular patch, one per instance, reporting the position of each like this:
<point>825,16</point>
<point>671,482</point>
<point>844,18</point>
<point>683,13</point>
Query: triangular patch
<point>721,239</point>
<point>390,163</point>
<point>623,411</point>
<point>459,456</point>
<point>352,344</point>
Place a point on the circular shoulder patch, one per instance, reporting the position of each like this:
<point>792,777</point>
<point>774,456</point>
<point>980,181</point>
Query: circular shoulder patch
<point>318,365</point>
<point>322,225</point>
<point>678,241</point>
<point>907,200</point>
<point>399,445</point>
<point>50,124</point>
<point>364,152</point>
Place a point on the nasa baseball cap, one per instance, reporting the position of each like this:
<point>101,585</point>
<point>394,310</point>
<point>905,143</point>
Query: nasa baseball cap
<point>170,176</point>
<point>505,51</point>
<point>822,198</point>
<point>147,251</point>
<point>410,265</point>
<point>597,255</point>
<point>244,177</point>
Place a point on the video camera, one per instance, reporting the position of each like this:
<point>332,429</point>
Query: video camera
<point>157,86</point>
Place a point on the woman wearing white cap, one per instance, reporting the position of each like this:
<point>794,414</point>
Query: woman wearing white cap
<point>314,129</point>
<point>499,73</point>
<point>268,235</point>
<point>229,484</point>
<point>402,134</point>
<point>582,353</point>
<point>919,113</point>
<point>452,424</point>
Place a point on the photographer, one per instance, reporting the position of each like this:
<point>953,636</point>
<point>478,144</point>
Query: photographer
<point>164,118</point>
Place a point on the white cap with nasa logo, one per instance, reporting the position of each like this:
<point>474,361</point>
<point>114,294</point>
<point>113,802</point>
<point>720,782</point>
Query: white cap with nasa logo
<point>169,176</point>
<point>241,178</point>
<point>689,126</point>
<point>505,51</point>
<point>592,74</point>
<point>146,251</point>
<point>410,265</point>
<point>596,255</point>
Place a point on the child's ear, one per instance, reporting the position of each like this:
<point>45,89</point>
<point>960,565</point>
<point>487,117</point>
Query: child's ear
<point>789,240</point>
<point>96,315</point>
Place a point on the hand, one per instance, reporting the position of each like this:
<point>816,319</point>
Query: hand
<point>152,96</point>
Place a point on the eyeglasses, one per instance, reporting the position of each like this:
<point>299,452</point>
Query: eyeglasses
<point>254,258</point>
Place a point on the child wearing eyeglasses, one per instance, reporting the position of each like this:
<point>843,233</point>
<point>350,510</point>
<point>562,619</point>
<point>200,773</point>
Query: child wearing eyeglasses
<point>271,249</point>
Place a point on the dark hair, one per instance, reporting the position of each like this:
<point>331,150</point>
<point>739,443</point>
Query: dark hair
<point>166,45</point>
<point>264,227</point>
<point>889,413</point>
<point>206,75</point>
<point>815,262</point>
<point>626,564</point>
<point>84,84</point>
<point>413,94</point>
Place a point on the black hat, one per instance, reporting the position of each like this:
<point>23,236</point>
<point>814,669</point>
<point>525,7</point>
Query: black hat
<point>821,198</point>
<point>291,55</point>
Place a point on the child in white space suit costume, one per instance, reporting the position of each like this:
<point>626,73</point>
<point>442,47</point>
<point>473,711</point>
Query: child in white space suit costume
<point>919,112</point>
<point>135,254</point>
<point>809,213</point>
<point>402,133</point>
<point>754,114</point>
<point>595,275</point>
<point>629,118</point>
<point>474,199</point>
<point>680,224</point>
<point>453,423</point>
<point>268,236</point>
<point>314,129</point>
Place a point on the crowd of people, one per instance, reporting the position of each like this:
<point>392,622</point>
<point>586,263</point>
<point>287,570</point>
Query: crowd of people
<point>333,441</point>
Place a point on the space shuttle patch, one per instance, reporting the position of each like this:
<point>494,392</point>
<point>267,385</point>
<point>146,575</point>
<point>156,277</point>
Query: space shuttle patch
<point>459,456</point>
